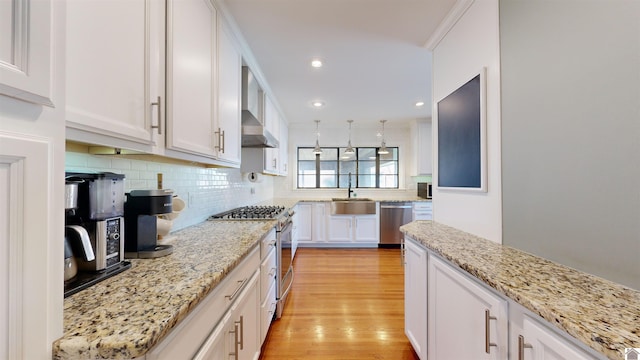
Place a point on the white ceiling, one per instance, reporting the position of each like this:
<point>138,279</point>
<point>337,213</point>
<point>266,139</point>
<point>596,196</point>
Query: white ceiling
<point>375,63</point>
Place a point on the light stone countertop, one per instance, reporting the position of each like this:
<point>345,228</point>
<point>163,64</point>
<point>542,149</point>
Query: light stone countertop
<point>603,315</point>
<point>126,315</point>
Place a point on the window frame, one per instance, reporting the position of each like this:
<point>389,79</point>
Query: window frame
<point>356,183</point>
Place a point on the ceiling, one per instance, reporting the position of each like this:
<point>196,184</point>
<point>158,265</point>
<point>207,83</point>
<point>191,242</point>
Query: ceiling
<point>375,63</point>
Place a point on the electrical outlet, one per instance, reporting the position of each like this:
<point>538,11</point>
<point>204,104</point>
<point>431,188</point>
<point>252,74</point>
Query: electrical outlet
<point>191,197</point>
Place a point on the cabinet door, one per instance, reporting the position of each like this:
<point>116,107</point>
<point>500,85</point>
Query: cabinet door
<point>28,179</point>
<point>284,148</point>
<point>272,123</point>
<point>191,54</point>
<point>246,315</point>
<point>425,148</point>
<point>303,222</point>
<point>366,229</point>
<point>319,222</point>
<point>415,296</point>
<point>26,50</point>
<point>113,63</point>
<point>540,343</point>
<point>216,347</point>
<point>228,130</point>
<point>340,229</point>
<point>465,320</point>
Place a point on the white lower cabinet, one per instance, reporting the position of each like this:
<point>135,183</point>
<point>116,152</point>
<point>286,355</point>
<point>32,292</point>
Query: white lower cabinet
<point>268,270</point>
<point>311,223</point>
<point>237,335</point>
<point>209,331</point>
<point>415,296</point>
<point>466,321</point>
<point>353,229</point>
<point>531,339</point>
<point>302,222</point>
<point>449,314</point>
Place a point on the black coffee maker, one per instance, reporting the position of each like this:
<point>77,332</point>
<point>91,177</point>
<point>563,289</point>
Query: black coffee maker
<point>141,223</point>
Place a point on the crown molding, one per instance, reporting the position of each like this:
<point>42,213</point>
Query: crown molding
<point>456,12</point>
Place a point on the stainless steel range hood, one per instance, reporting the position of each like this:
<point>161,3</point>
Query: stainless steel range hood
<point>254,134</point>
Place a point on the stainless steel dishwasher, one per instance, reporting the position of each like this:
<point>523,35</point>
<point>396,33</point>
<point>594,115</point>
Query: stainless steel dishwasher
<point>392,216</point>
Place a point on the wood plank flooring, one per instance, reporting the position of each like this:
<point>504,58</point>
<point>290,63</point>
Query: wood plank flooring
<point>344,304</point>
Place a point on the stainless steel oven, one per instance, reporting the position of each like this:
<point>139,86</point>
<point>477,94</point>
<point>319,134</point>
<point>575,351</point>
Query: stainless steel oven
<point>284,254</point>
<point>284,262</point>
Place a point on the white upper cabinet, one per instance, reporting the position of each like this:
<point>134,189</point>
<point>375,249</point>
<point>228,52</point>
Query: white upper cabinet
<point>191,69</point>
<point>228,130</point>
<point>118,72</point>
<point>25,50</point>
<point>284,148</point>
<point>272,124</point>
<point>114,68</point>
<point>423,143</point>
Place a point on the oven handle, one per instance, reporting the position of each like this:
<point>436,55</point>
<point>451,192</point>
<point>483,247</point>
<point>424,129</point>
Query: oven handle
<point>287,227</point>
<point>286,292</point>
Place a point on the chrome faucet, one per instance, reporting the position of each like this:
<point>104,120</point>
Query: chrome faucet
<point>350,189</point>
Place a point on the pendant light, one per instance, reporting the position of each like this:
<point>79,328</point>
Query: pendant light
<point>383,147</point>
<point>317,150</point>
<point>349,149</point>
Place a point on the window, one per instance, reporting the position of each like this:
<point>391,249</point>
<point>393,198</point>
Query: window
<point>335,169</point>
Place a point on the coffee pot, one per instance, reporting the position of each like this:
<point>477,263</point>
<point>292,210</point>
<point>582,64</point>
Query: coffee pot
<point>141,212</point>
<point>94,229</point>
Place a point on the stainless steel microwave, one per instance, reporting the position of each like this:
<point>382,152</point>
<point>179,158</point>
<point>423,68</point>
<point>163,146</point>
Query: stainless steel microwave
<point>424,190</point>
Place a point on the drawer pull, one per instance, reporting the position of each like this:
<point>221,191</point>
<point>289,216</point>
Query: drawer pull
<point>159,126</point>
<point>241,322</point>
<point>272,272</point>
<point>487,331</point>
<point>521,346</point>
<point>235,333</point>
<point>238,289</point>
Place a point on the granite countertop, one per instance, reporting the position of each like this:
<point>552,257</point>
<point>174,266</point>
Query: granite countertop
<point>603,315</point>
<point>126,315</point>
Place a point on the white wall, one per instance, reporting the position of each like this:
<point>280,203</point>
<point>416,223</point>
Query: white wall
<point>396,135</point>
<point>571,133</point>
<point>473,43</point>
<point>206,191</point>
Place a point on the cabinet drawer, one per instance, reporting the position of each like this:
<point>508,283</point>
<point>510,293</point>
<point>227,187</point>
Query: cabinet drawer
<point>186,338</point>
<point>268,242</point>
<point>422,215</point>
<point>267,309</point>
<point>268,271</point>
<point>422,205</point>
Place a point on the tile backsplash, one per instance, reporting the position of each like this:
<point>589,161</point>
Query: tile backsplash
<point>206,191</point>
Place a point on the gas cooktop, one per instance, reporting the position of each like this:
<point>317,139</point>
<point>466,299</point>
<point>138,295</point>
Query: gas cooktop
<point>251,213</point>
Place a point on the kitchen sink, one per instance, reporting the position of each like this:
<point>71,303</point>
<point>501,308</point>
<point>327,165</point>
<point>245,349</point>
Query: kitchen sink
<point>353,206</point>
<point>351,199</point>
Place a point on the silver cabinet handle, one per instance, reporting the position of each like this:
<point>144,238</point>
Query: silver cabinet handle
<point>521,346</point>
<point>220,145</point>
<point>241,332</point>
<point>222,140</point>
<point>403,251</point>
<point>159,126</point>
<point>272,272</point>
<point>235,332</point>
<point>487,331</point>
<point>237,290</point>
<point>275,163</point>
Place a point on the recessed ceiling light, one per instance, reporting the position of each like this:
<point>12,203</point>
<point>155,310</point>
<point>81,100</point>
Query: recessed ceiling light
<point>317,104</point>
<point>420,103</point>
<point>316,63</point>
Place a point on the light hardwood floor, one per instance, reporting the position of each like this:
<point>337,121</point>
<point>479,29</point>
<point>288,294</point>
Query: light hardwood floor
<point>344,304</point>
